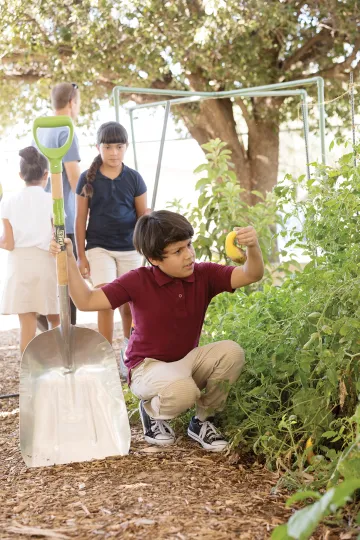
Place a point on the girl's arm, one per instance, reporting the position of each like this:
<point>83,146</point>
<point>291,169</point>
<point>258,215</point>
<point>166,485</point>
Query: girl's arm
<point>84,298</point>
<point>7,238</point>
<point>141,205</point>
<point>253,269</point>
<point>82,210</point>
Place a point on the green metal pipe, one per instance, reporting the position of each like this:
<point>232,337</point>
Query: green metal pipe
<point>117,105</point>
<point>133,138</point>
<point>226,93</point>
<point>302,93</point>
<point>161,150</point>
<point>319,81</point>
<point>304,109</point>
<point>196,98</point>
<point>321,105</point>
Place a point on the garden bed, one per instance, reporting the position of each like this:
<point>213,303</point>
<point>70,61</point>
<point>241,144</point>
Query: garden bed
<point>176,493</point>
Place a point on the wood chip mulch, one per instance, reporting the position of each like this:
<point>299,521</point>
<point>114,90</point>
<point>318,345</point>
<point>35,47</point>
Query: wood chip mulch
<point>178,493</point>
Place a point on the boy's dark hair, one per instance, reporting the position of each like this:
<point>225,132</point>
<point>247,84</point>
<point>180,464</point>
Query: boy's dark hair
<point>153,232</point>
<point>108,133</point>
<point>33,165</point>
<point>62,94</point>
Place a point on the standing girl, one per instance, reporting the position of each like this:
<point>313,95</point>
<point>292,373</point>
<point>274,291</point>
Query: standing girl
<point>30,284</point>
<point>110,198</point>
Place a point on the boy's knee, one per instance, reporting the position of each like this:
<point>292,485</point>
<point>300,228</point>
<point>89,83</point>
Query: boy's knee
<point>235,356</point>
<point>177,397</point>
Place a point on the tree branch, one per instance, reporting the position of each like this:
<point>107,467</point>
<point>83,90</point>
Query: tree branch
<point>40,29</point>
<point>247,117</point>
<point>195,7</point>
<point>303,52</point>
<point>338,70</point>
<point>25,77</point>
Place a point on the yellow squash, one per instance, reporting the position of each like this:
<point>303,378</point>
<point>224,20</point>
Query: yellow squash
<point>234,253</point>
<point>309,447</point>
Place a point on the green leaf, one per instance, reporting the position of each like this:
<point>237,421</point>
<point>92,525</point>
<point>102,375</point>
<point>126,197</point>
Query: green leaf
<point>303,523</point>
<point>344,491</point>
<point>349,467</point>
<point>314,315</point>
<point>201,183</point>
<point>258,194</point>
<point>280,533</point>
<point>303,495</point>
<point>329,434</point>
<point>202,167</point>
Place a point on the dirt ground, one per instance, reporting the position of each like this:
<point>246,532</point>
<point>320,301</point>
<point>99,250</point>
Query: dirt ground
<point>178,493</point>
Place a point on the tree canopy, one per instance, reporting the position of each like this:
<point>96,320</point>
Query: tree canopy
<point>202,45</point>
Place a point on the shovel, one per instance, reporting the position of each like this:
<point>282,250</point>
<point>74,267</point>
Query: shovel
<point>72,406</point>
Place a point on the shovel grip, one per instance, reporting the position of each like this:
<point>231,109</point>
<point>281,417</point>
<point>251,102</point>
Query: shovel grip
<point>59,227</point>
<point>54,155</point>
<point>62,268</point>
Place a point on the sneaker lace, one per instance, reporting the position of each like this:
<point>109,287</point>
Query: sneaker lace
<point>161,427</point>
<point>209,431</point>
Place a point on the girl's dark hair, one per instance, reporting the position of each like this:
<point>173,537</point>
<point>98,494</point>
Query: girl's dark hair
<point>108,133</point>
<point>33,165</point>
<point>153,232</point>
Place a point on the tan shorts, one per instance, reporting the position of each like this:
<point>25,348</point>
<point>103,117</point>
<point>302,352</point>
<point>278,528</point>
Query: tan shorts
<point>170,388</point>
<point>105,266</point>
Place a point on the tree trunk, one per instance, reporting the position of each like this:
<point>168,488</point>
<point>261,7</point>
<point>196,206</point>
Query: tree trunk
<point>263,155</point>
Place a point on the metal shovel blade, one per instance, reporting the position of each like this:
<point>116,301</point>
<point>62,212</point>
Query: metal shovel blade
<point>72,406</point>
<point>71,415</point>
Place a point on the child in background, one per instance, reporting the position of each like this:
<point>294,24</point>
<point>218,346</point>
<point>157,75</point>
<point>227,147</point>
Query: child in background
<point>30,285</point>
<point>110,198</point>
<point>168,371</point>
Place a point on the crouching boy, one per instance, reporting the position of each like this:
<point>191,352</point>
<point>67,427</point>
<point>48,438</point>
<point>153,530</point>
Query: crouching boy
<point>168,371</point>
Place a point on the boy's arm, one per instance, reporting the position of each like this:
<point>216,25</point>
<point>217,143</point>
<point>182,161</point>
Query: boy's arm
<point>82,210</point>
<point>7,238</point>
<point>84,298</point>
<point>253,269</point>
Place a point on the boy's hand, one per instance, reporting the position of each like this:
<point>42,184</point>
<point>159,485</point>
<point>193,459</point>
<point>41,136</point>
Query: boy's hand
<point>54,247</point>
<point>246,236</point>
<point>83,265</point>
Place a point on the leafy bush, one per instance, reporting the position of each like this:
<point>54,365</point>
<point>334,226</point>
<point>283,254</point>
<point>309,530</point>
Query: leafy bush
<point>219,208</point>
<point>301,339</point>
<point>300,388</point>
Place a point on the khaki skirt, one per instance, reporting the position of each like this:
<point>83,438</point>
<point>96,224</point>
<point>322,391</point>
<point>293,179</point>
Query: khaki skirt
<point>30,283</point>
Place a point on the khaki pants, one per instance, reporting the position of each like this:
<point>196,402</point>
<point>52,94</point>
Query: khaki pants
<point>170,388</point>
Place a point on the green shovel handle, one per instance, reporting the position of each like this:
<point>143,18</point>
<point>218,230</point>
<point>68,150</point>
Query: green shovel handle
<point>54,155</point>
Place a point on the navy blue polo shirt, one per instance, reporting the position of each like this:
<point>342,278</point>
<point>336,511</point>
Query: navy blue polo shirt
<point>112,214</point>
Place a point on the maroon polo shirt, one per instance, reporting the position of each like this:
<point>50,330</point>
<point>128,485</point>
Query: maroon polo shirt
<point>168,313</point>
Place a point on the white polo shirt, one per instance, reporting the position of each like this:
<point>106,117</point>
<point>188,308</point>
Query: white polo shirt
<point>29,212</point>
